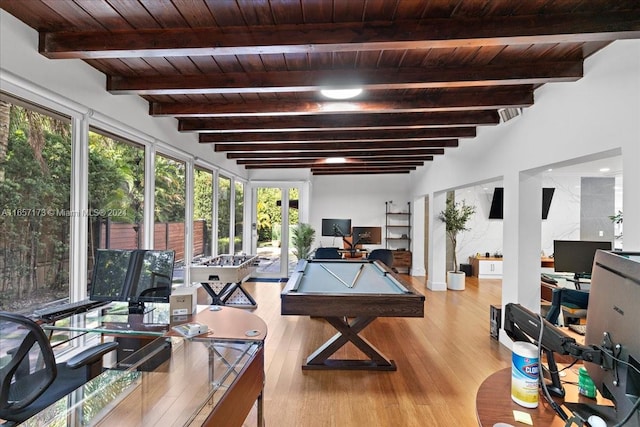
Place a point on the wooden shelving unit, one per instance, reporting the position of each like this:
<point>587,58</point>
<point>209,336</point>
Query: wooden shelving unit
<point>398,235</point>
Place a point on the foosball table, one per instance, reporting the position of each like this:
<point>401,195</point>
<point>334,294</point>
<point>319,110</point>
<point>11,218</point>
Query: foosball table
<point>222,277</point>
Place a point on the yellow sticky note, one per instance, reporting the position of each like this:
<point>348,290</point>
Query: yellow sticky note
<point>522,417</point>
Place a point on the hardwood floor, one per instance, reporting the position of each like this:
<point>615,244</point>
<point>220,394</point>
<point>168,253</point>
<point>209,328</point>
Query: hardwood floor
<point>442,359</point>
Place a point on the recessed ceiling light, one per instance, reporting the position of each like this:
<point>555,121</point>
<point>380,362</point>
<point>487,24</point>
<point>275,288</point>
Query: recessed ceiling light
<point>341,93</point>
<point>336,160</point>
<point>604,169</point>
<point>549,170</point>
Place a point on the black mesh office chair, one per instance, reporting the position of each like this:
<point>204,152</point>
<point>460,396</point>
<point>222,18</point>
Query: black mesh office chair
<point>384,255</point>
<point>30,379</point>
<point>572,303</point>
<point>327,253</point>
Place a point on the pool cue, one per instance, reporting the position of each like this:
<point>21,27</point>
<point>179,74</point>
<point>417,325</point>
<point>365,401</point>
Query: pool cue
<point>355,279</point>
<point>334,275</point>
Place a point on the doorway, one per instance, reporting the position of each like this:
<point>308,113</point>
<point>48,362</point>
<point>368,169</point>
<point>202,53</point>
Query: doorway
<point>275,211</point>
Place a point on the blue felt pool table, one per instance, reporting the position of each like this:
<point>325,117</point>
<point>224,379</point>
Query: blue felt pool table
<point>349,295</point>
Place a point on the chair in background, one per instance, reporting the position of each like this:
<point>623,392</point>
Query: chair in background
<point>572,303</point>
<point>30,379</point>
<point>327,253</point>
<point>351,251</point>
<point>384,255</point>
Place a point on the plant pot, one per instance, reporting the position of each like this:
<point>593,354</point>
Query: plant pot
<point>456,280</point>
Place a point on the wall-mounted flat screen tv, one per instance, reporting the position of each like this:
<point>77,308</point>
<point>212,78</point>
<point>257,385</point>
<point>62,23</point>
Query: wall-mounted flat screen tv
<point>497,203</point>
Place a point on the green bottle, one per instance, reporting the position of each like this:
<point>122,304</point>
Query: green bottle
<point>586,386</point>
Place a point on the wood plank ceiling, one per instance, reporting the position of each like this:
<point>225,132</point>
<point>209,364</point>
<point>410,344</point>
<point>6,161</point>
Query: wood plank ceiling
<point>246,74</point>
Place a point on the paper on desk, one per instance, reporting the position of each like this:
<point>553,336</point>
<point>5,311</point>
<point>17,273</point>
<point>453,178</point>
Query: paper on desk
<point>522,417</point>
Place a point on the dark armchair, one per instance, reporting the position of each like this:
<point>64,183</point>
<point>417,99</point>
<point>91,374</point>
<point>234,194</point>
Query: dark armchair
<point>327,253</point>
<point>384,255</point>
<point>30,378</point>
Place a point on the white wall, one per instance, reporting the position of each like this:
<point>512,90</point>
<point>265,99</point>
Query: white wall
<point>563,222</point>
<point>361,198</point>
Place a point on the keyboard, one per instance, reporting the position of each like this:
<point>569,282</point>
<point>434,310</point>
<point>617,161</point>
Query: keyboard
<point>579,329</point>
<point>64,310</point>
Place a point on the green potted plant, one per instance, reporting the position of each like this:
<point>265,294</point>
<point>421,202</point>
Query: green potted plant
<point>302,238</point>
<point>455,216</point>
<point>617,221</point>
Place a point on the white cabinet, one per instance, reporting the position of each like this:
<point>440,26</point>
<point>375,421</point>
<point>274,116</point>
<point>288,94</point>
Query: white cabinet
<point>487,268</point>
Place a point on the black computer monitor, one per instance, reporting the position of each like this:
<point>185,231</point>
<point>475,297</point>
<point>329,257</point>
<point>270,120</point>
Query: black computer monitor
<point>613,324</point>
<point>149,278</point>
<point>109,275</point>
<point>336,227</point>
<point>576,256</point>
<point>366,235</point>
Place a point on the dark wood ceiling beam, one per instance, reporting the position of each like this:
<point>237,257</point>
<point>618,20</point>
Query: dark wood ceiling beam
<point>406,154</point>
<point>457,99</point>
<point>340,122</point>
<point>334,168</point>
<point>351,171</point>
<point>365,165</point>
<point>357,172</point>
<point>371,79</point>
<point>358,168</point>
<point>345,37</point>
<point>320,163</point>
<point>364,135</point>
<point>323,159</point>
<point>336,146</point>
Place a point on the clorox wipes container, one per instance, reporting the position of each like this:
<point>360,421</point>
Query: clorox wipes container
<point>524,374</point>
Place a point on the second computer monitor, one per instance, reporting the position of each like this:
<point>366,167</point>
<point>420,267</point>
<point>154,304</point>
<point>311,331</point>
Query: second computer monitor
<point>367,235</point>
<point>576,256</point>
<point>109,275</point>
<point>336,227</point>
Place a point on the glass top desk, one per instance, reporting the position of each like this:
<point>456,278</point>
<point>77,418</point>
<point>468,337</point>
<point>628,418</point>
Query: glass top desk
<point>211,379</point>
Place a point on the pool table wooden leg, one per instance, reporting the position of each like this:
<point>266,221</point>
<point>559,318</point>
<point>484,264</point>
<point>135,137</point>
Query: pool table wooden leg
<point>348,332</point>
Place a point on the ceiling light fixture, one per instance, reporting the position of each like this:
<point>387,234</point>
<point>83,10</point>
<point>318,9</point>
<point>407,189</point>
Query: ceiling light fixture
<point>336,160</point>
<point>341,93</point>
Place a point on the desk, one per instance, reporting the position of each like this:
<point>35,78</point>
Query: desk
<point>494,404</point>
<point>491,267</point>
<point>547,262</point>
<point>222,278</point>
<point>353,253</point>
<point>486,267</point>
<point>177,392</point>
<point>313,290</point>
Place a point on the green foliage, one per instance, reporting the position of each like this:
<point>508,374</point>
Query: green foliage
<point>455,216</point>
<point>269,213</point>
<point>224,214</point>
<point>36,176</point>
<point>116,178</point>
<point>617,218</point>
<point>302,236</point>
<point>203,203</point>
<point>169,190</point>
